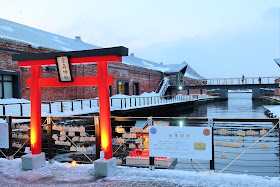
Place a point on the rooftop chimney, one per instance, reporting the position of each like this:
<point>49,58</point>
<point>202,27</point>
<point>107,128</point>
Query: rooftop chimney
<point>78,38</point>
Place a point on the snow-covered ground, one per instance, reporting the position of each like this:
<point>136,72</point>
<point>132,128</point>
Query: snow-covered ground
<point>62,174</point>
<point>274,109</point>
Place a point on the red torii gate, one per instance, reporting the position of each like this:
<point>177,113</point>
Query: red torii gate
<point>103,80</point>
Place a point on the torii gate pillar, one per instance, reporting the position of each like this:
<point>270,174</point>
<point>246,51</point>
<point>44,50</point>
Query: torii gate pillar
<point>35,129</point>
<point>104,110</point>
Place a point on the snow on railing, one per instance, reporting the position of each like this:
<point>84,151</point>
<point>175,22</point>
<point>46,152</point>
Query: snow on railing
<point>85,106</point>
<point>162,87</point>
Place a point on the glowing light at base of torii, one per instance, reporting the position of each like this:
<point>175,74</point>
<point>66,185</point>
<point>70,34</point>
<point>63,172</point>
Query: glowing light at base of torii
<point>103,80</point>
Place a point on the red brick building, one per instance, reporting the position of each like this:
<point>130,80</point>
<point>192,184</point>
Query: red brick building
<point>132,77</point>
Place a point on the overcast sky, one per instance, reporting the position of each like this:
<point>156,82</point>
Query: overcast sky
<point>217,38</point>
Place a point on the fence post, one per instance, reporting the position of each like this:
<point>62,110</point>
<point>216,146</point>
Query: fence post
<point>50,142</point>
<point>121,103</point>
<point>151,159</point>
<point>130,102</point>
<point>90,103</point>
<point>21,113</point>
<point>9,121</point>
<point>72,105</point>
<point>82,105</point>
<point>97,137</point>
<point>50,107</point>
<point>212,162</point>
<point>4,109</point>
<point>61,106</point>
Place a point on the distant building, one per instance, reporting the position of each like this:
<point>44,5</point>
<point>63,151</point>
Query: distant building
<point>131,77</point>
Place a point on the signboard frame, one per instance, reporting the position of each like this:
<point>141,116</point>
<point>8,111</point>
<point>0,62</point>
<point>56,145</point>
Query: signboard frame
<point>181,142</point>
<point>68,77</point>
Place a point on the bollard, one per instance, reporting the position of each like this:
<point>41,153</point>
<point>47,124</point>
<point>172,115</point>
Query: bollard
<point>50,142</point>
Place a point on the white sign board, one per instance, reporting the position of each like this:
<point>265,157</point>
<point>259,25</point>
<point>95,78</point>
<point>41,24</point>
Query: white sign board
<point>4,135</point>
<point>180,142</point>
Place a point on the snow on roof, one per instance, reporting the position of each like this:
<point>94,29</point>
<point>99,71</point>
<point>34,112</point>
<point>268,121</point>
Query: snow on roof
<point>168,68</point>
<point>135,61</point>
<point>38,38</point>
<point>277,60</point>
<point>174,67</point>
<point>191,73</point>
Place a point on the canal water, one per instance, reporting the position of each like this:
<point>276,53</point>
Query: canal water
<point>256,161</point>
<point>239,105</point>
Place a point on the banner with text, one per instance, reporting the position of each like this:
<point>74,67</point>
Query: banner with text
<point>180,142</point>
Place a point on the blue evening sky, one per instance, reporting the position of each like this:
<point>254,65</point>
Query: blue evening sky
<point>221,38</point>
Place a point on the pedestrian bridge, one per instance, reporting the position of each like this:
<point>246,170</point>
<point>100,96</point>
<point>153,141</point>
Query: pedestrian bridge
<point>225,84</point>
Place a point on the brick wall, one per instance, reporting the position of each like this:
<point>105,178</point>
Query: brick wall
<point>148,79</point>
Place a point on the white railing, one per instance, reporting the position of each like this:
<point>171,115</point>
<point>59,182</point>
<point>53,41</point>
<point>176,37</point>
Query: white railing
<point>85,106</point>
<point>240,80</point>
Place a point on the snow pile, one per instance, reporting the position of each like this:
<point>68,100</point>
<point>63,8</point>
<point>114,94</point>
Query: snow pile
<point>61,174</point>
<point>274,109</point>
<point>145,94</point>
<point>13,100</point>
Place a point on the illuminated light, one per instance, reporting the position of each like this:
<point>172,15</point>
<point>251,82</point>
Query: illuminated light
<point>180,87</point>
<point>33,137</point>
<point>181,124</point>
<point>73,163</point>
<point>104,141</point>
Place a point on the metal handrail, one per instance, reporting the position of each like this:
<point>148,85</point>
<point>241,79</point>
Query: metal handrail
<point>240,80</point>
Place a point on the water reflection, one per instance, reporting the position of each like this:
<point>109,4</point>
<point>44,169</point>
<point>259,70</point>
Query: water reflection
<point>239,105</point>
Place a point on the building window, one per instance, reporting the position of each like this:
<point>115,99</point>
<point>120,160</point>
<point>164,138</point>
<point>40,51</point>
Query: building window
<point>50,68</point>
<point>110,91</point>
<point>123,87</point>
<point>9,84</point>
<point>135,88</point>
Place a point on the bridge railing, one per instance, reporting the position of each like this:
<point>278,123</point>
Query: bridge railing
<point>240,80</point>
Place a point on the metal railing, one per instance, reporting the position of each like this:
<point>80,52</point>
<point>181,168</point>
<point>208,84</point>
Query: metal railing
<point>83,106</point>
<point>137,102</point>
<point>240,80</point>
<point>231,136</point>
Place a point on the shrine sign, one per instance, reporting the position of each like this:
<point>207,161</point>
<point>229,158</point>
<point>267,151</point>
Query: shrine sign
<point>180,142</point>
<point>100,56</point>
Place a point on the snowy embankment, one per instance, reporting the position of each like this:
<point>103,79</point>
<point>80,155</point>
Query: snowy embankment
<point>62,174</point>
<point>272,110</point>
<point>21,107</point>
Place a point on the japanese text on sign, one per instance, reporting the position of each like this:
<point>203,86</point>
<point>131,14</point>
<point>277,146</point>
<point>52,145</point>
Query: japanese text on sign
<point>181,142</point>
<point>63,68</point>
